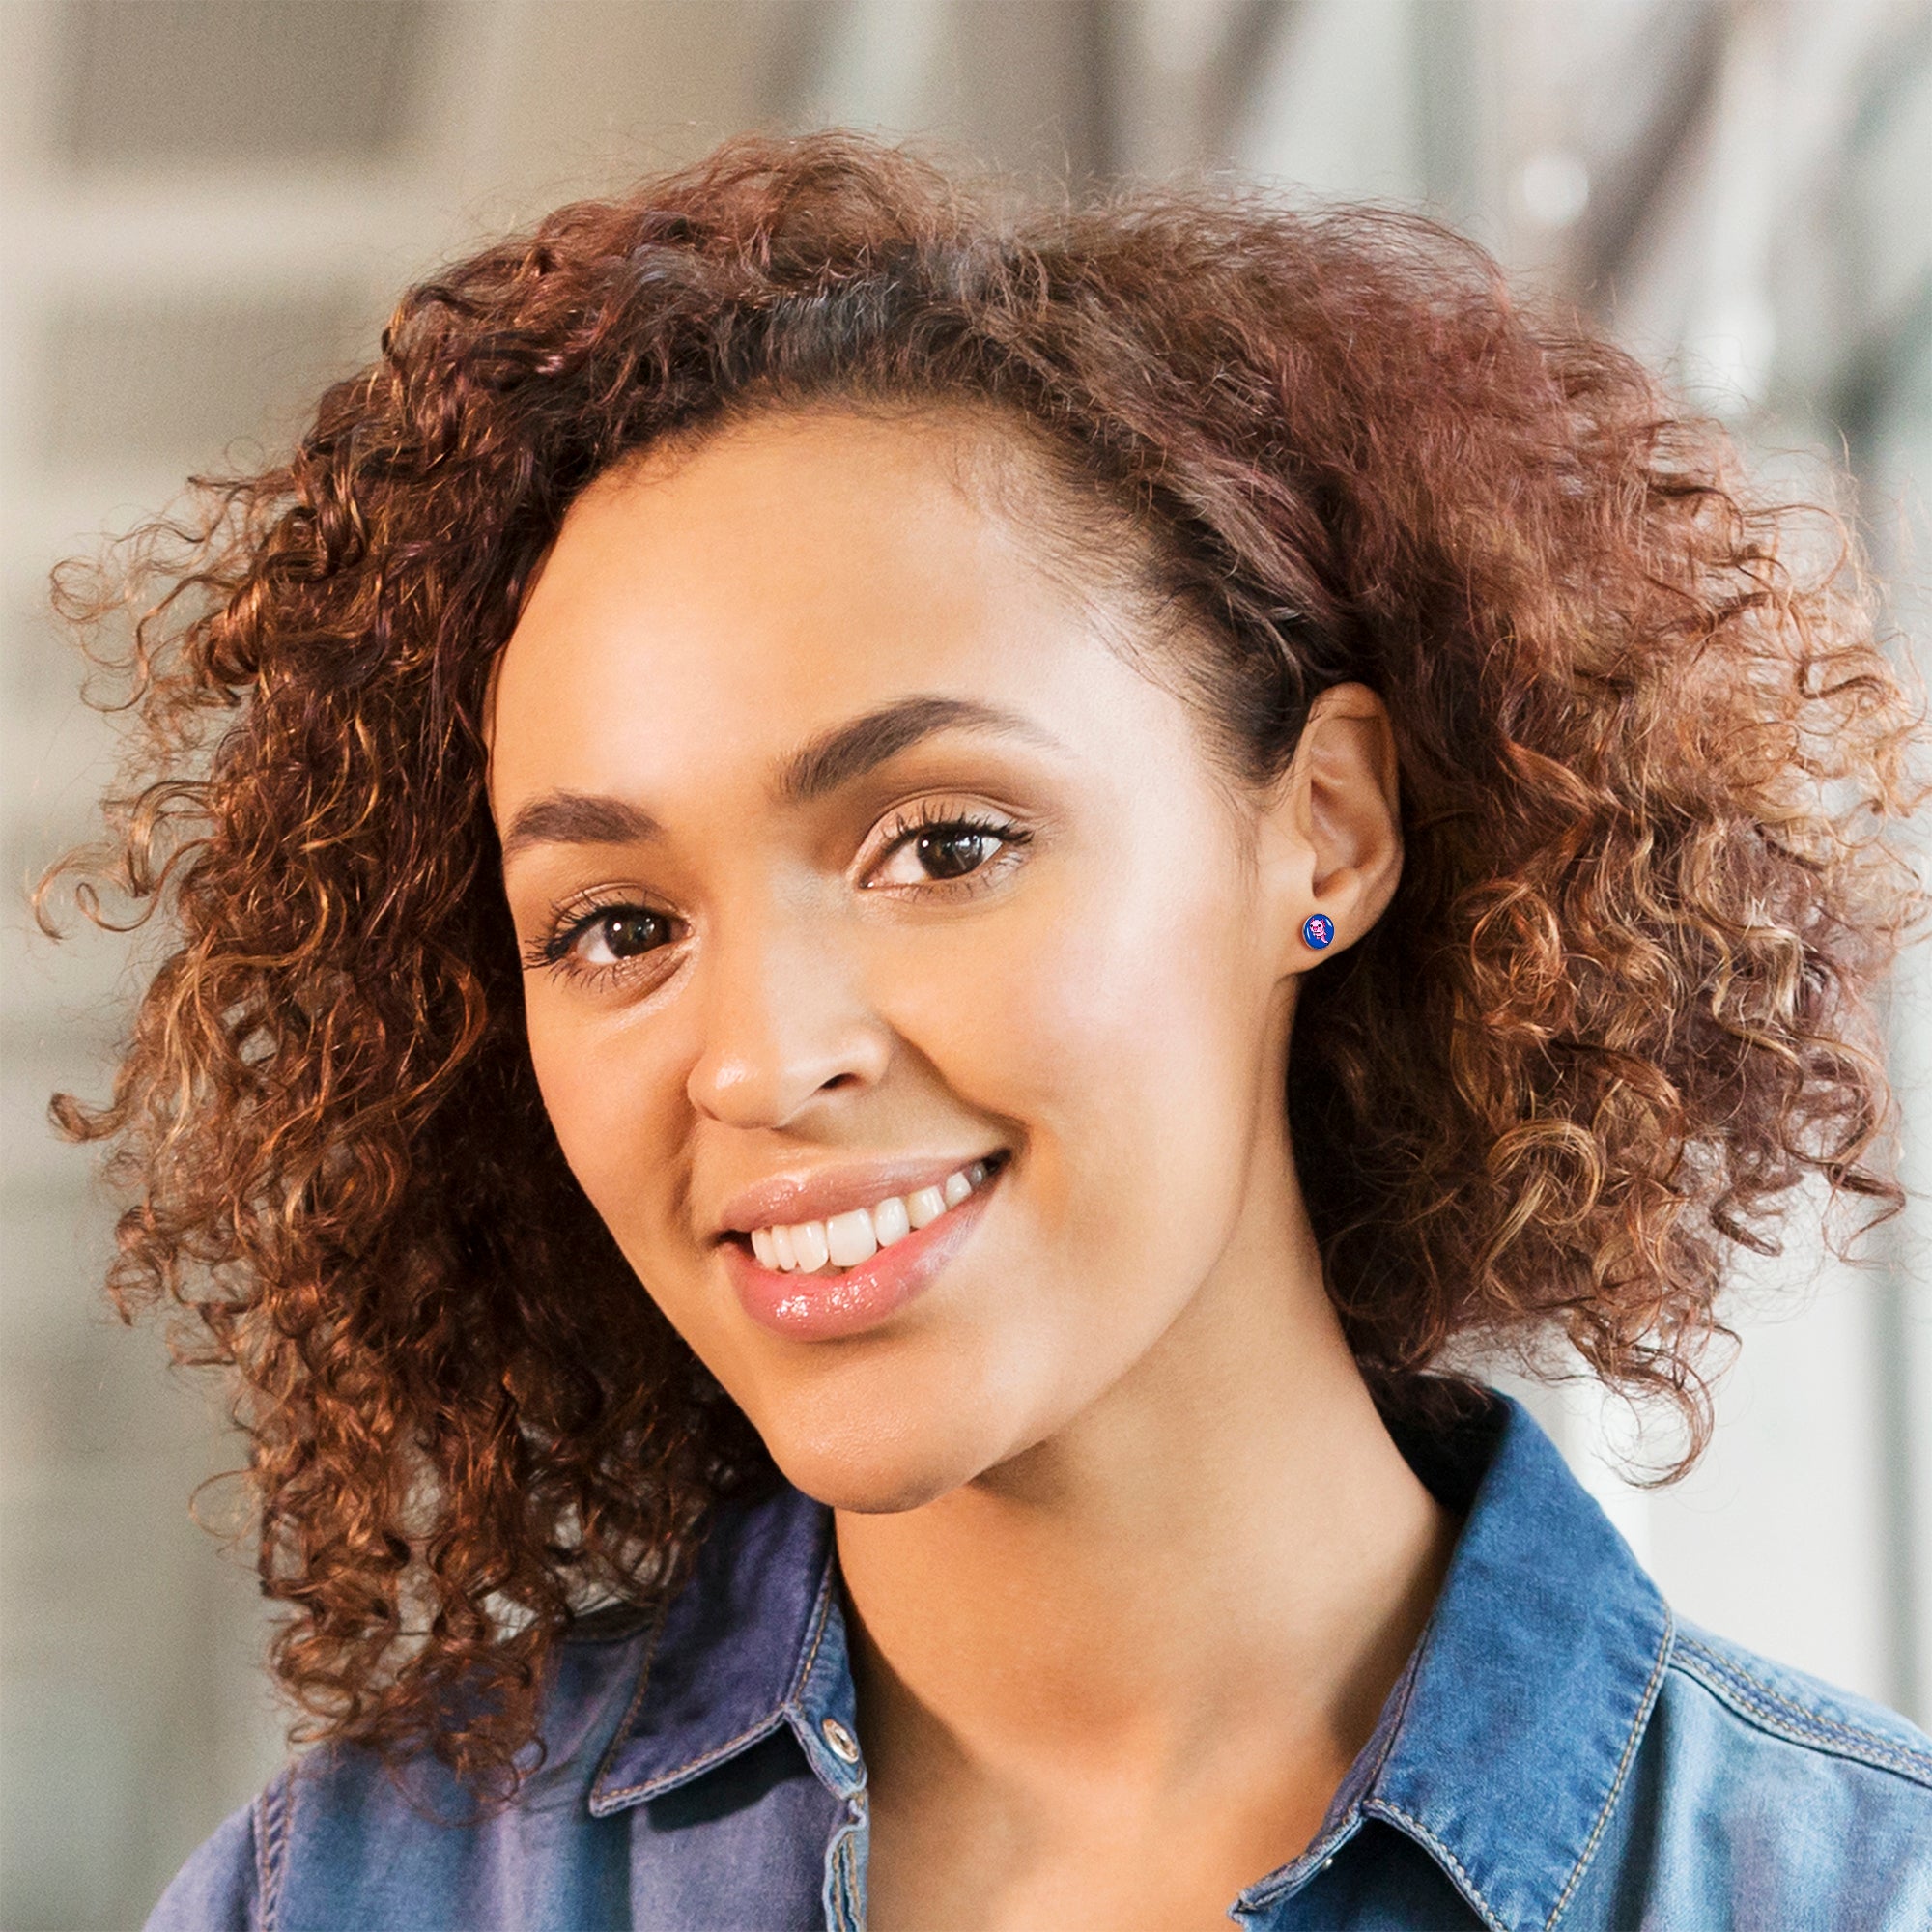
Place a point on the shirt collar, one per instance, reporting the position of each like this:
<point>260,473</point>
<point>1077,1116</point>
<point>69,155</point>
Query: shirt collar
<point>754,1640</point>
<point>1500,1751</point>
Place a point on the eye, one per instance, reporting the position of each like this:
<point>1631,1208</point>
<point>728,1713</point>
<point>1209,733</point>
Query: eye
<point>620,932</point>
<point>935,850</point>
<point>951,851</point>
<point>601,938</point>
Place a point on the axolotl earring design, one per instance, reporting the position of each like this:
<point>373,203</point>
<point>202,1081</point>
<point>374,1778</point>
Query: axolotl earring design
<point>1317,929</point>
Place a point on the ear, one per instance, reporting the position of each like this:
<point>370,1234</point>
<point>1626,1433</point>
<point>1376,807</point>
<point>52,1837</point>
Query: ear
<point>1334,830</point>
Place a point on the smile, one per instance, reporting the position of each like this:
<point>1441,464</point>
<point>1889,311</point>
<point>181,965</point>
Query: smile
<point>832,1279</point>
<point>844,1240</point>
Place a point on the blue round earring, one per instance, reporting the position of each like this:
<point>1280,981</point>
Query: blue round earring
<point>1317,929</point>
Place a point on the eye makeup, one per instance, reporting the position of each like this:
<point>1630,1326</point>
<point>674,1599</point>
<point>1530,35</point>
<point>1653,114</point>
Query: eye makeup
<point>943,848</point>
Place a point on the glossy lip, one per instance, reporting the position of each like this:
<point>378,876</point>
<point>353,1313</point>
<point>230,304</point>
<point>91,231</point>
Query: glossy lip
<point>787,1199</point>
<point>823,1307</point>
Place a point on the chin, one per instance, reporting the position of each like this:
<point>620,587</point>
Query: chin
<point>876,1469</point>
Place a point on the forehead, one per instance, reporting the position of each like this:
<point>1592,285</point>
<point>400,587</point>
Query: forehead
<point>785,572</point>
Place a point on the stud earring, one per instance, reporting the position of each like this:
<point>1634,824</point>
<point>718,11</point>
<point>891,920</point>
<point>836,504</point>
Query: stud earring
<point>1317,929</point>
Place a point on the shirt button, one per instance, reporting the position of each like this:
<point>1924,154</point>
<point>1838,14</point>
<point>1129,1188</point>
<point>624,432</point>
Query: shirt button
<point>844,1744</point>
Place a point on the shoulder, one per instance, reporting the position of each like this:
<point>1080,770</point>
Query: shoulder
<point>1802,1803</point>
<point>1782,1715</point>
<point>342,1832</point>
<point>218,1889</point>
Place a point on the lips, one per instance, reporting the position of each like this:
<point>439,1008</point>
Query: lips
<point>820,1195</point>
<point>846,1301</point>
<point>846,1239</point>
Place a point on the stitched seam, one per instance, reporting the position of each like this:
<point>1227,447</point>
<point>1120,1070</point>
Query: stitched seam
<point>1470,1889</point>
<point>686,1772</point>
<point>258,1826</point>
<point>1637,1731</point>
<point>1856,1748</point>
<point>1807,1718</point>
<point>842,1880</point>
<point>271,1824</point>
<point>623,1731</point>
<point>821,1612</point>
<point>1410,1680</point>
<point>1767,1706</point>
<point>849,1899</point>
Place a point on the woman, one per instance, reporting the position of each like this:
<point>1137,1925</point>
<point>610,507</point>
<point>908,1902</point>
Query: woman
<point>891,923</point>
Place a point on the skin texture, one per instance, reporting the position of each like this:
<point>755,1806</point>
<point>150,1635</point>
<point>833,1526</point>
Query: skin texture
<point>1130,1561</point>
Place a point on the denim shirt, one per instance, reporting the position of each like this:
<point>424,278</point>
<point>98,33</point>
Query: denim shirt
<point>1559,1750</point>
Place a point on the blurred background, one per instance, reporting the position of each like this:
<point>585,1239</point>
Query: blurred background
<point>208,207</point>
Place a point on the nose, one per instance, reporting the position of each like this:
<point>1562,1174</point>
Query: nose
<point>785,1021</point>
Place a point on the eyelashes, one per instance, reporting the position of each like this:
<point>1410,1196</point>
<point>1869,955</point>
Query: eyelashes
<point>934,837</point>
<point>936,850</point>
<point>628,931</point>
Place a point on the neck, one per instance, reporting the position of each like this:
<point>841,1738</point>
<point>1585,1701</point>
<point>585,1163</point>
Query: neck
<point>1226,1558</point>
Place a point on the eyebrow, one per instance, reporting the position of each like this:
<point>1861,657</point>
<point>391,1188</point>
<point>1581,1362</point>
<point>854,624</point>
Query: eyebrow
<point>575,818</point>
<point>834,759</point>
<point>848,752</point>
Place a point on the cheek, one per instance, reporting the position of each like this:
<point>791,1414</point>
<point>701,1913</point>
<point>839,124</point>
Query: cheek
<point>598,1088</point>
<point>1115,1033</point>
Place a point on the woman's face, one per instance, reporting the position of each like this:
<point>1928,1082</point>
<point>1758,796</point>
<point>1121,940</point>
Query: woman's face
<point>850,857</point>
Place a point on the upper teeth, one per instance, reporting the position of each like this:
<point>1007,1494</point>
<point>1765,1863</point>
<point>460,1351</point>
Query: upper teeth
<point>844,1240</point>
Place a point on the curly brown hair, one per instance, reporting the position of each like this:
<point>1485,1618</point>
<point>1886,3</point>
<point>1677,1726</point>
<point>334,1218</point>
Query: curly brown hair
<point>1619,1007</point>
